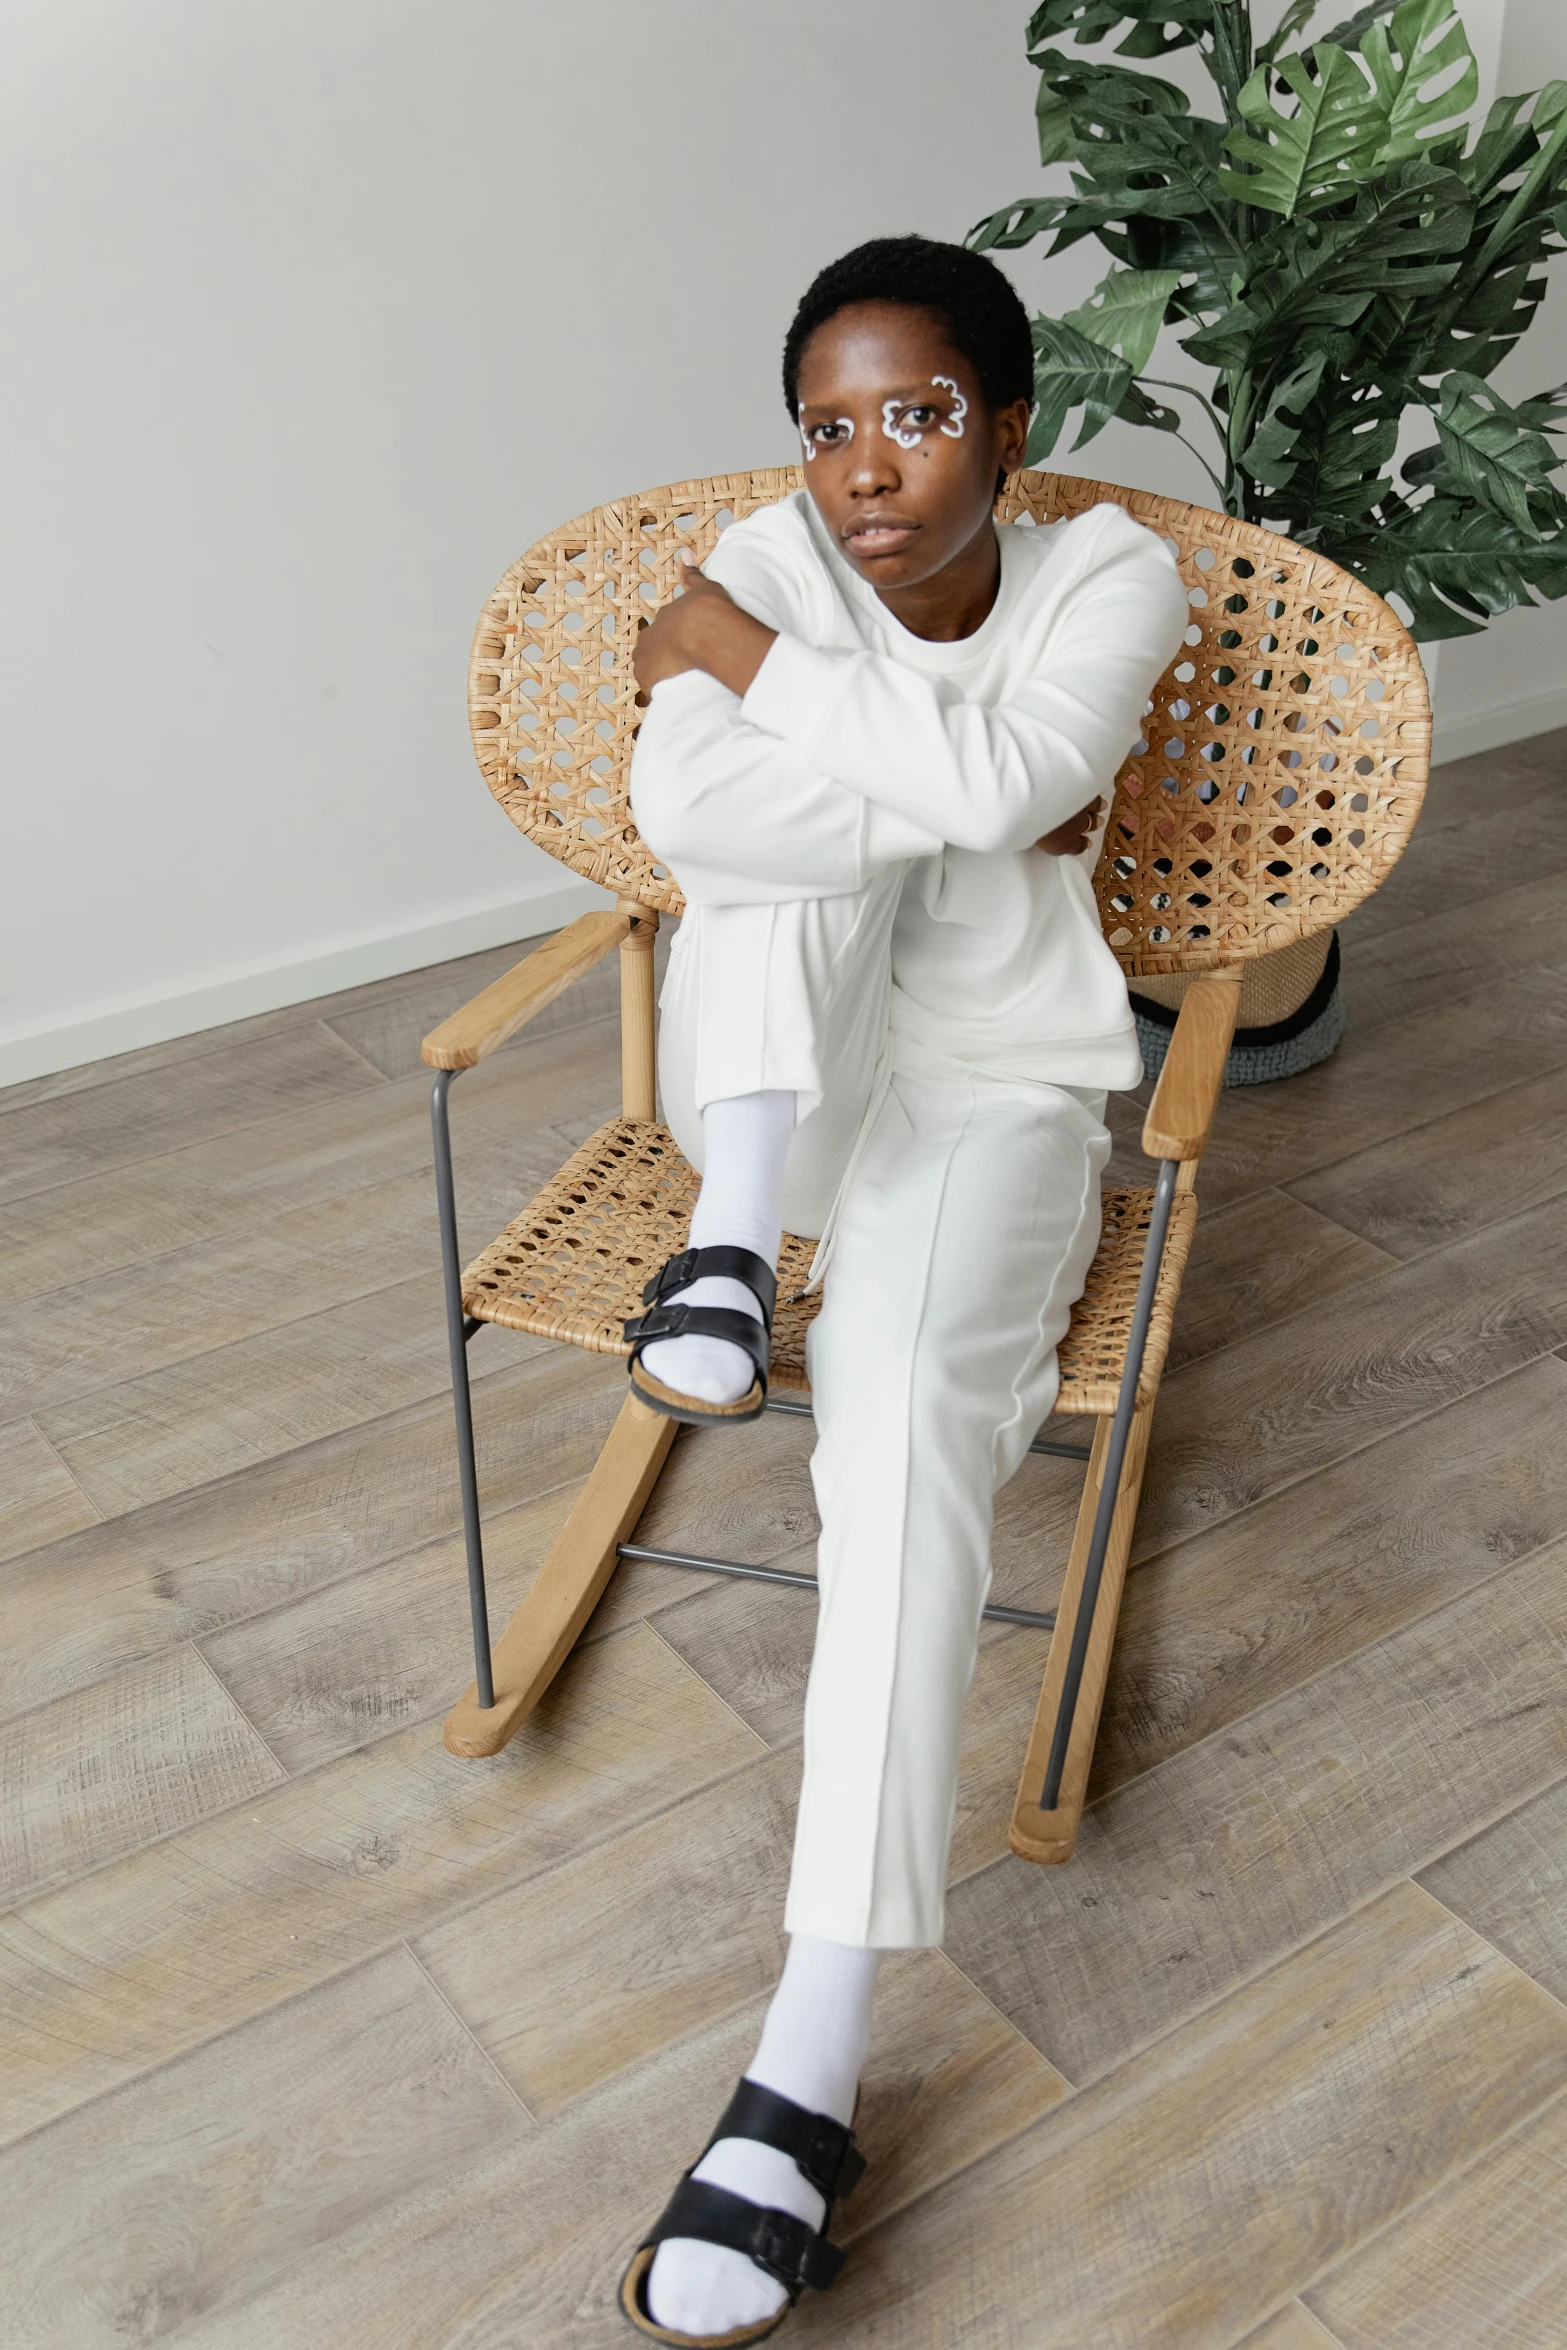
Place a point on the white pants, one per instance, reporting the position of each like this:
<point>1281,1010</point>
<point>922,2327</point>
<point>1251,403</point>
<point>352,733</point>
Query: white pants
<point>964,1208</point>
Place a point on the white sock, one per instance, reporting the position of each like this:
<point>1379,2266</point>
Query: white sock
<point>745,1142</point>
<point>813,2048</point>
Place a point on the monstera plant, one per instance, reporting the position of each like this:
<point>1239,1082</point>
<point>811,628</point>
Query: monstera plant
<point>1338,251</point>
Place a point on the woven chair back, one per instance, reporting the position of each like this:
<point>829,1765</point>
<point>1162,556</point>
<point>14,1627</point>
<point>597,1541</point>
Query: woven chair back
<point>1281,768</point>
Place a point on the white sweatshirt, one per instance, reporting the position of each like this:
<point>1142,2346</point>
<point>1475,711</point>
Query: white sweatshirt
<point>860,745</point>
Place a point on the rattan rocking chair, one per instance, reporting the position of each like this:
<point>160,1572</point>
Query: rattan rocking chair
<point>1285,758</point>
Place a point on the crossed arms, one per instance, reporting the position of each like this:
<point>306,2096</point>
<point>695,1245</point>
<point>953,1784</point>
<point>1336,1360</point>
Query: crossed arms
<point>833,762</point>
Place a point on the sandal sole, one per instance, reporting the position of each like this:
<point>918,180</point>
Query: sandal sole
<point>632,2299</point>
<point>690,1408</point>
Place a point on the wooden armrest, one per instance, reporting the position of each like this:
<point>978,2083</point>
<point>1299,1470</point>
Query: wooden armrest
<point>1184,1099</point>
<point>509,1002</point>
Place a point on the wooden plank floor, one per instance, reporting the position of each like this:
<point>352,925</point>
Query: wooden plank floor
<point>313,2037</point>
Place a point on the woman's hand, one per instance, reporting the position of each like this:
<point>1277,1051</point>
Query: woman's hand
<point>702,628</point>
<point>1072,838</point>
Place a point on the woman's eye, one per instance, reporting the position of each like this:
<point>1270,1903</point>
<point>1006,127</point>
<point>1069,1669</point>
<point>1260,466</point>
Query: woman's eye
<point>921,418</point>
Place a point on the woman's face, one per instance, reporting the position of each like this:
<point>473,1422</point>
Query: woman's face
<point>902,451</point>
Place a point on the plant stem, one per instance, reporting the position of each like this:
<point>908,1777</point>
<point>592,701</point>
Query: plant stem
<point>1225,487</point>
<point>1229,69</point>
<point>1224,495</point>
<point>1231,63</point>
<point>1166,385</point>
<point>1242,385</point>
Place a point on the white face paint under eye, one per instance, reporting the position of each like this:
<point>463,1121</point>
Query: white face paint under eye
<point>845,423</point>
<point>953,428</point>
<point>893,430</point>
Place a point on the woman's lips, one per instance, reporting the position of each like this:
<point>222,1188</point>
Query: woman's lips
<point>879,538</point>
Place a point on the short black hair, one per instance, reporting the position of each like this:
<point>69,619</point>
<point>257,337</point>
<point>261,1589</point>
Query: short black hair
<point>975,305</point>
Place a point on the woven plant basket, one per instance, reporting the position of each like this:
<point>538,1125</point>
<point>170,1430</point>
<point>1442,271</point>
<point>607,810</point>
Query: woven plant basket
<point>1291,1013</point>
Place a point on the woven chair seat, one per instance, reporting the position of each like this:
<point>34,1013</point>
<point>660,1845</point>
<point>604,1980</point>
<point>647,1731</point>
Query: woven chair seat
<point>572,1266</point>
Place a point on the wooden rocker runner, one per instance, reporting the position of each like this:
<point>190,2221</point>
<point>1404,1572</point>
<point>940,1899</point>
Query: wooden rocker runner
<point>1285,755</point>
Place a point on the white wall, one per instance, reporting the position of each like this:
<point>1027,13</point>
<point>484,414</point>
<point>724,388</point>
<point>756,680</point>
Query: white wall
<point>319,312</point>
<point>1512,680</point>
<point>322,311</point>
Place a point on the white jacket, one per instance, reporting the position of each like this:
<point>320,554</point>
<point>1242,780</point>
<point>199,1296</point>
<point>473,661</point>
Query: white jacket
<point>860,745</point>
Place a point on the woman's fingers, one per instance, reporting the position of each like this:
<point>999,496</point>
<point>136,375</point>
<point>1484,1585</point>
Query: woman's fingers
<point>691,581</point>
<point>658,651</point>
<point>1071,838</point>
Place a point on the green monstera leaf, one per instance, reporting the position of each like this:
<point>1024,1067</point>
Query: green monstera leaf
<point>1076,370</point>
<point>1294,20</point>
<point>1349,118</point>
<point>1081,104</point>
<point>1144,167</point>
<point>1456,566</point>
<point>1317,153</point>
<point>1352,31</point>
<point>1125,312</point>
<point>1403,239</point>
<point>1545,411</point>
<point>1516,173</point>
<point>1335,245</point>
<point>1498,455</point>
<point>1339,467</point>
<point>1408,57</point>
<point>1072,371</point>
<point>1298,16</point>
<point>1156,26</point>
<point>1018,223</point>
<point>1270,451</point>
<point>1139,407</point>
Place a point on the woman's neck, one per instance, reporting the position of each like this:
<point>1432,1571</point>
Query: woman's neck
<point>956,600</point>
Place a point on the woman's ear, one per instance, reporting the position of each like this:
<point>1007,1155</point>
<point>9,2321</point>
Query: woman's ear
<point>1012,435</point>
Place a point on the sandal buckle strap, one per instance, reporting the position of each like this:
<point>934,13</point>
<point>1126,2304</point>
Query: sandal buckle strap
<point>733,1264</point>
<point>742,1330</point>
<point>818,2263</point>
<point>823,2150</point>
<point>675,1273</point>
<point>785,2247</point>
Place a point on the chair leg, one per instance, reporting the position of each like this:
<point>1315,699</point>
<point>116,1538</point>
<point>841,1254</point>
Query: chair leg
<point>1049,1835</point>
<point>638,1056</point>
<point>458,1333</point>
<point>1060,1748</point>
<point>567,1588</point>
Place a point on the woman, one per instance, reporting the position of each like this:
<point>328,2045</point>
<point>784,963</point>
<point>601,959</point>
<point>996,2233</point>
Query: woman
<point>890,1021</point>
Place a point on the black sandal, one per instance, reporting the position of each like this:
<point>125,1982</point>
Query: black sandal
<point>789,2251</point>
<point>676,1321</point>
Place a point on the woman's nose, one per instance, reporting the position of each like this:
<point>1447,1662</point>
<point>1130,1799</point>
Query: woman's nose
<point>873,462</point>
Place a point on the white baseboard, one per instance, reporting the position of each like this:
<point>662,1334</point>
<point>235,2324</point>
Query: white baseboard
<point>1488,730</point>
<point>124,1027</point>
